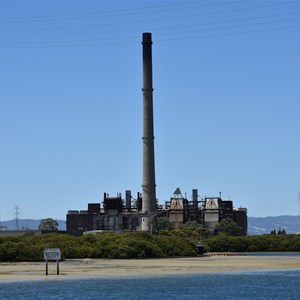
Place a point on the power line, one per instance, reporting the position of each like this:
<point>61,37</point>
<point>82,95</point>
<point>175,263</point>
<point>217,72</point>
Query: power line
<point>122,12</point>
<point>231,27</point>
<point>299,210</point>
<point>195,30</point>
<point>171,27</point>
<point>126,39</point>
<point>230,34</point>
<point>173,17</point>
<point>98,42</point>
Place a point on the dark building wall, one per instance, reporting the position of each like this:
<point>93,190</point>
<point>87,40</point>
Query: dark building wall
<point>77,223</point>
<point>227,209</point>
<point>128,200</point>
<point>81,221</point>
<point>139,202</point>
<point>240,217</point>
<point>113,203</point>
<point>94,208</point>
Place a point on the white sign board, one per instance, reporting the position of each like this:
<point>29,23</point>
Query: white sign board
<point>52,254</point>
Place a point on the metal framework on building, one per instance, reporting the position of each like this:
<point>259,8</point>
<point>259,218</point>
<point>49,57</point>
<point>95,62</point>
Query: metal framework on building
<point>117,214</point>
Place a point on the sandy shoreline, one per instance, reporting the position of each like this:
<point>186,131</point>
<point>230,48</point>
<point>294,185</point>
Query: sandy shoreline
<point>88,268</point>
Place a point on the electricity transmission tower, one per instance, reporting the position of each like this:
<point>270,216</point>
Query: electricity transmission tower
<point>17,208</point>
<point>299,213</point>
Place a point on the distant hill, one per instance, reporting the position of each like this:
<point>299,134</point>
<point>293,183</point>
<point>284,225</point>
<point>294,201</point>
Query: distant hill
<point>262,225</point>
<point>256,225</point>
<point>29,224</point>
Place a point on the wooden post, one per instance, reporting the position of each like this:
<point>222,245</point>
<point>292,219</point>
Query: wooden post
<point>57,267</point>
<point>46,267</point>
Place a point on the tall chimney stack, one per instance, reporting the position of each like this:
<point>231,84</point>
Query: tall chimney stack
<point>148,185</point>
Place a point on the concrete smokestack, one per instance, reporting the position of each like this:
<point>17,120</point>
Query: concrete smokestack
<point>148,185</point>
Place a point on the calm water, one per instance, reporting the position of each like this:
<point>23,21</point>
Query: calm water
<point>274,254</point>
<point>239,285</point>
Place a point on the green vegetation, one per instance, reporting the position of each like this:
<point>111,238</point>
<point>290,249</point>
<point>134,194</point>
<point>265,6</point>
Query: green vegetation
<point>280,231</point>
<point>163,223</point>
<point>255,243</point>
<point>105,245</point>
<point>48,224</point>
<point>168,243</point>
<point>229,227</point>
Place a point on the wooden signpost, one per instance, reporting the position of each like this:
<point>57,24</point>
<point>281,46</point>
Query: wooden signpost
<point>52,254</point>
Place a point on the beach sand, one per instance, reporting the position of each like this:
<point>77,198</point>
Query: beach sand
<point>92,268</point>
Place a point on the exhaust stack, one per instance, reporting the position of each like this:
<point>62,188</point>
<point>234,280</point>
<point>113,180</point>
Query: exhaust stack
<point>148,185</point>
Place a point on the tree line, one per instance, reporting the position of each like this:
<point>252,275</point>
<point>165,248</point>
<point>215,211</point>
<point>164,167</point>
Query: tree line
<point>167,242</point>
<point>105,245</point>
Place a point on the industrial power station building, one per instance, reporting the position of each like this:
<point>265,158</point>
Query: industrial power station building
<point>117,214</point>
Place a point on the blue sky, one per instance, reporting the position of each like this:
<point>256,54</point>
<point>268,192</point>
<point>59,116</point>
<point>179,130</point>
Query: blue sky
<point>226,102</point>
